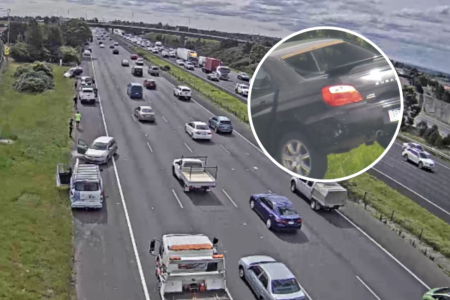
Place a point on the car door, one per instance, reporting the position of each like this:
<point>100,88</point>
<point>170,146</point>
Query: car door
<point>266,208</point>
<point>309,188</point>
<point>191,128</point>
<point>82,146</point>
<point>301,185</point>
<point>214,122</point>
<point>263,282</point>
<point>252,277</point>
<point>112,147</point>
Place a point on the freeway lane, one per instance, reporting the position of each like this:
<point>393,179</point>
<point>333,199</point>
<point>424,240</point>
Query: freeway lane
<point>327,256</point>
<point>228,85</point>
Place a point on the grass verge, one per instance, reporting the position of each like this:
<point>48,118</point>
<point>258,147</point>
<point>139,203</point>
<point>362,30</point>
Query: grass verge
<point>339,165</point>
<point>35,218</point>
<point>407,214</point>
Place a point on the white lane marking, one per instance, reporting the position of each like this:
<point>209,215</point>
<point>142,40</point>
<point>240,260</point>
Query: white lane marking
<point>124,204</point>
<point>178,199</point>
<point>149,147</point>
<point>384,250</point>
<point>188,148</point>
<point>417,194</point>
<point>134,118</point>
<point>225,149</point>
<point>368,288</point>
<point>229,198</point>
<point>165,120</point>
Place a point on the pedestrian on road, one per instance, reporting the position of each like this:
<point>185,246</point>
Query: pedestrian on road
<point>95,91</point>
<point>70,127</point>
<point>76,83</point>
<point>75,101</point>
<point>78,119</point>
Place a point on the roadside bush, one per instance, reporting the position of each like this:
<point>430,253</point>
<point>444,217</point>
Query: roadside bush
<point>34,78</point>
<point>20,53</point>
<point>31,85</point>
<point>42,66</point>
<point>166,68</point>
<point>22,69</point>
<point>69,54</point>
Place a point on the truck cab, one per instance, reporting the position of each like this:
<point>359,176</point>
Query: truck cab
<point>189,267</point>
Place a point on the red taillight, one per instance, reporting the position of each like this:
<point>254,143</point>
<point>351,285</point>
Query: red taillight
<point>338,95</point>
<point>299,220</point>
<point>197,132</point>
<point>209,132</point>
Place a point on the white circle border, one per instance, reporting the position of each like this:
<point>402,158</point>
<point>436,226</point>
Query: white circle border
<point>250,97</point>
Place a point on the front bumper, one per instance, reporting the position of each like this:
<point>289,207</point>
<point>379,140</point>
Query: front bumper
<point>95,160</point>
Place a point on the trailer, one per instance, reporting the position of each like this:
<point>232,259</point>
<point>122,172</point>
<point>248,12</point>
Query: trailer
<point>326,195</point>
<point>211,64</point>
<point>194,173</point>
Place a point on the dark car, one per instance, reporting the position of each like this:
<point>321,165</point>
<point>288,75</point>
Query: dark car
<point>150,84</point>
<point>316,97</point>
<point>116,51</point>
<point>243,76</point>
<point>276,211</point>
<point>111,47</point>
<point>221,124</point>
<point>133,56</point>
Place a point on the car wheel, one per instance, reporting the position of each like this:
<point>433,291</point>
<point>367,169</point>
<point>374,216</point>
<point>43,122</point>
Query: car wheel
<point>405,157</point>
<point>241,273</point>
<point>313,204</point>
<point>215,129</point>
<point>385,140</point>
<point>293,187</point>
<point>296,153</point>
<point>252,204</point>
<point>269,224</point>
<point>420,165</point>
<point>173,171</point>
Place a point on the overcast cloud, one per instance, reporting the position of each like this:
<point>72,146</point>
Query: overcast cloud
<point>412,31</point>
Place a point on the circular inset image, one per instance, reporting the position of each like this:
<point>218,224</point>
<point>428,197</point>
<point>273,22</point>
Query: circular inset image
<point>325,104</point>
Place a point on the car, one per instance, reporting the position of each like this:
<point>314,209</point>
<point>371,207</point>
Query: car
<point>111,47</point>
<point>415,146</point>
<point>116,44</point>
<point>316,97</point>
<point>135,90</point>
<point>182,91</point>
<point>189,66</point>
<point>73,72</point>
<point>276,211</point>
<point>115,51</point>
<point>125,63</point>
<point>133,56</point>
<point>149,49</point>
<point>153,70</point>
<point>221,124</point>
<point>421,159</point>
<point>269,279</point>
<point>86,81</point>
<point>102,45</point>
<point>86,53</point>
<point>144,113</point>
<point>100,151</point>
<point>137,71</point>
<point>442,293</point>
<point>243,76</point>
<point>150,84</point>
<point>212,76</point>
<point>140,61</point>
<point>180,62</point>
<point>155,50</point>
<point>172,54</point>
<point>198,130</point>
<point>241,89</point>
<point>165,54</point>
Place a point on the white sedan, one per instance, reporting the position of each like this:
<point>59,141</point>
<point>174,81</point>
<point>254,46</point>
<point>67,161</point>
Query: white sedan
<point>198,130</point>
<point>180,62</point>
<point>102,46</point>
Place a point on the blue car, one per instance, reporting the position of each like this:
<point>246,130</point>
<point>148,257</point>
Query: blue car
<point>277,211</point>
<point>221,124</point>
<point>135,90</point>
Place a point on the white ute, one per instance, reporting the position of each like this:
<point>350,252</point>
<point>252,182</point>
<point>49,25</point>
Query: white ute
<point>194,173</point>
<point>326,195</point>
<point>85,184</point>
<point>189,267</point>
<point>87,95</point>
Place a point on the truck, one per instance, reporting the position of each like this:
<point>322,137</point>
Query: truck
<point>85,184</point>
<point>210,65</point>
<point>223,72</point>
<point>194,173</point>
<point>326,195</point>
<point>201,61</point>
<point>87,95</point>
<point>187,55</point>
<point>188,266</point>
<point>158,45</point>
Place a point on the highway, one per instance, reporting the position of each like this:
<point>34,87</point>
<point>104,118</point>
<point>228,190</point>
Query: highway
<point>228,85</point>
<point>331,259</point>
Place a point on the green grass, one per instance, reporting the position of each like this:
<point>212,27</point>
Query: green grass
<point>408,214</point>
<point>339,165</point>
<point>35,217</point>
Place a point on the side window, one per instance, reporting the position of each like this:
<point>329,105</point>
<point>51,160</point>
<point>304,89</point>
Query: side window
<point>264,279</point>
<point>302,180</point>
<point>214,119</point>
<point>269,204</point>
<point>310,183</point>
<point>304,64</point>
<point>262,84</point>
<point>257,270</point>
<point>113,143</point>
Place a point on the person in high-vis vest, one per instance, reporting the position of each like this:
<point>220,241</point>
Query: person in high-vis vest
<point>78,118</point>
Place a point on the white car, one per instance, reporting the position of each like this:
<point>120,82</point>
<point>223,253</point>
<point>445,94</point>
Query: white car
<point>100,151</point>
<point>140,61</point>
<point>102,46</point>
<point>241,89</point>
<point>198,130</point>
<point>180,62</point>
<point>144,113</point>
<point>415,146</point>
<point>116,44</point>
<point>150,49</point>
<point>87,53</point>
<point>189,66</point>
<point>419,158</point>
<point>155,50</point>
<point>172,54</point>
<point>182,91</point>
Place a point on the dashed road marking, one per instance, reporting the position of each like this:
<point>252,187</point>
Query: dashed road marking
<point>188,148</point>
<point>134,118</point>
<point>149,147</point>
<point>178,199</point>
<point>225,149</point>
<point>165,120</point>
<point>229,198</point>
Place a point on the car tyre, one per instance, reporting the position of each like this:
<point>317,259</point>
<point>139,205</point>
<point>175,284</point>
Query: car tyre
<point>420,165</point>
<point>252,204</point>
<point>173,172</point>
<point>405,157</point>
<point>241,273</point>
<point>269,224</point>
<point>216,130</point>
<point>293,187</point>
<point>318,159</point>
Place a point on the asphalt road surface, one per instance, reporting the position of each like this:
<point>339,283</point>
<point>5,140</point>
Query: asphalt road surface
<point>331,259</point>
<point>228,85</point>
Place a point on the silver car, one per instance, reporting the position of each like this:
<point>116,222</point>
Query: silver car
<point>99,152</point>
<point>144,113</point>
<point>269,279</point>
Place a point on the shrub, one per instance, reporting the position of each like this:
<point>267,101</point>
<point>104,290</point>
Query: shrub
<point>44,67</point>
<point>69,54</point>
<point>34,78</point>
<point>31,85</point>
<point>20,52</point>
<point>22,69</point>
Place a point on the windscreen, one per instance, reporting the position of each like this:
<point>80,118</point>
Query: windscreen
<point>99,146</point>
<point>192,267</point>
<point>86,186</point>
<point>88,90</point>
<point>285,286</point>
<point>223,70</point>
<point>423,155</point>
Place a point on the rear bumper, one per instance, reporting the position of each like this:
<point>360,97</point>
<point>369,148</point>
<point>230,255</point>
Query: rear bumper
<point>85,204</point>
<point>202,137</point>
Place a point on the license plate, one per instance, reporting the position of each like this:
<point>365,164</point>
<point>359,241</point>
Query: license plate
<point>395,115</point>
<point>290,222</point>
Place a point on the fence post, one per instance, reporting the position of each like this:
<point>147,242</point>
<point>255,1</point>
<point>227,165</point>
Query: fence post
<point>392,215</point>
<point>420,235</point>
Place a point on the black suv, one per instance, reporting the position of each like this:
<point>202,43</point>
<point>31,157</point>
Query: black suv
<point>315,97</point>
<point>115,51</point>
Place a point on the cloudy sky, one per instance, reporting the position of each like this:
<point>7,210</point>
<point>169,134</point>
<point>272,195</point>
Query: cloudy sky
<point>414,31</point>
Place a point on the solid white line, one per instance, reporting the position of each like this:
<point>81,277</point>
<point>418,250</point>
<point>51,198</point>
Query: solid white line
<point>124,204</point>
<point>134,118</point>
<point>149,147</point>
<point>178,199</point>
<point>368,288</point>
<point>384,250</point>
<point>422,197</point>
<point>165,119</point>
<point>225,149</point>
<point>229,198</point>
<point>188,147</point>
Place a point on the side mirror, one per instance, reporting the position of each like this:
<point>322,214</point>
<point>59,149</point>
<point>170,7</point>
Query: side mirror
<point>152,247</point>
<point>215,241</point>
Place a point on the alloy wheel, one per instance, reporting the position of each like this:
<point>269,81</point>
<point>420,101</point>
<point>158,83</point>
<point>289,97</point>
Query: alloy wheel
<point>296,157</point>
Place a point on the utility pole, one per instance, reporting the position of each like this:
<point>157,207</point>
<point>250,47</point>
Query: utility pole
<point>9,26</point>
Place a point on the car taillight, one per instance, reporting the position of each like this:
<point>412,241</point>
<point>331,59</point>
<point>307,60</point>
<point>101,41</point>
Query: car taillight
<point>338,95</point>
<point>197,132</point>
<point>299,220</point>
<point>209,133</point>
